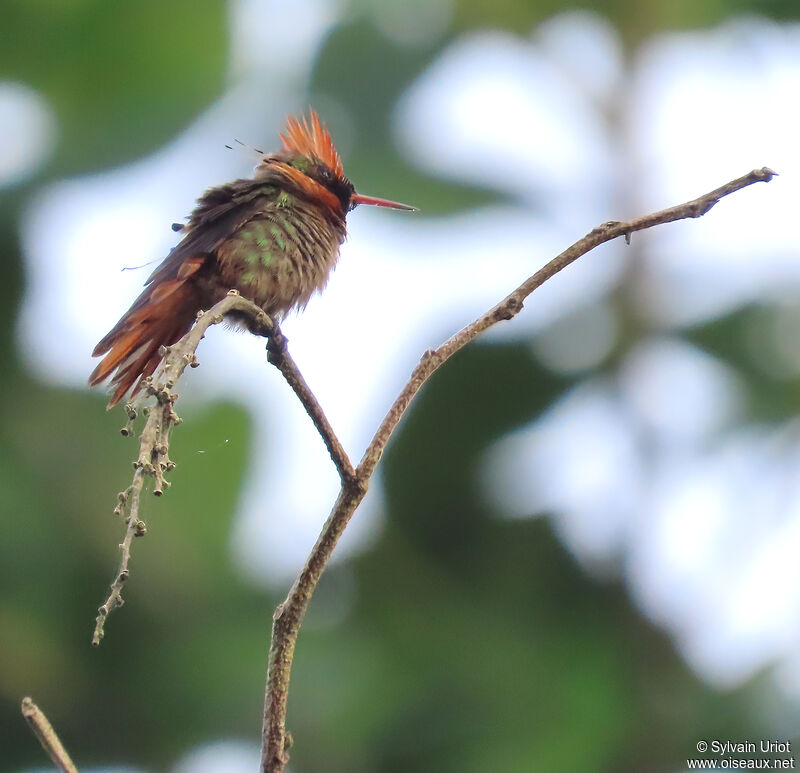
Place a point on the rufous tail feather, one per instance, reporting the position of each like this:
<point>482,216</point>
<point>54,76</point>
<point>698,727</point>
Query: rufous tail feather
<point>161,315</point>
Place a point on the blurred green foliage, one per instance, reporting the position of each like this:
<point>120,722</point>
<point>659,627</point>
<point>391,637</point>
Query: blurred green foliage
<point>122,77</point>
<point>492,651</point>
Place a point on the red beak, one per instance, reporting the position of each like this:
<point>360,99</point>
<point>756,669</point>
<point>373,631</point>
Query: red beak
<point>357,198</point>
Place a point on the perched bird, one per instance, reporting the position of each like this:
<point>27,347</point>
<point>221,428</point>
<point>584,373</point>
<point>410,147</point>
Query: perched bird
<point>275,238</point>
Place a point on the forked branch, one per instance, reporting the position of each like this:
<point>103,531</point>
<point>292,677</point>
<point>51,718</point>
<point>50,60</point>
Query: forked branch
<point>153,460</point>
<point>289,615</point>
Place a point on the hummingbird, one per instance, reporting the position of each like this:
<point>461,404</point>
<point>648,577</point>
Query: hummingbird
<point>274,238</point>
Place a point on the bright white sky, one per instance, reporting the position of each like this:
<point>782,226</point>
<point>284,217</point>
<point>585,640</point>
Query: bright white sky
<point>708,528</point>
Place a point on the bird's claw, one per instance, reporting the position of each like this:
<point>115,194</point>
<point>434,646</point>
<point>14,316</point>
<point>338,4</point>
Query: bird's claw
<point>276,346</point>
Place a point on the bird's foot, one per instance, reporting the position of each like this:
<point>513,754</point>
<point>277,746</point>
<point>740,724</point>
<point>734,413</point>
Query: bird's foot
<point>276,346</point>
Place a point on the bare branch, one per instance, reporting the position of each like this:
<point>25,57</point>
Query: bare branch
<point>512,304</point>
<point>153,459</point>
<point>47,737</point>
<point>279,356</point>
<point>289,615</point>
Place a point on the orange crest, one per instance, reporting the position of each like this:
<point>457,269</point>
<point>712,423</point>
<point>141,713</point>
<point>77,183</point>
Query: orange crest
<point>312,140</point>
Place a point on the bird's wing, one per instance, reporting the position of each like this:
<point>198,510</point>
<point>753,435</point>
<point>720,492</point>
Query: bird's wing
<point>167,306</point>
<point>219,212</point>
